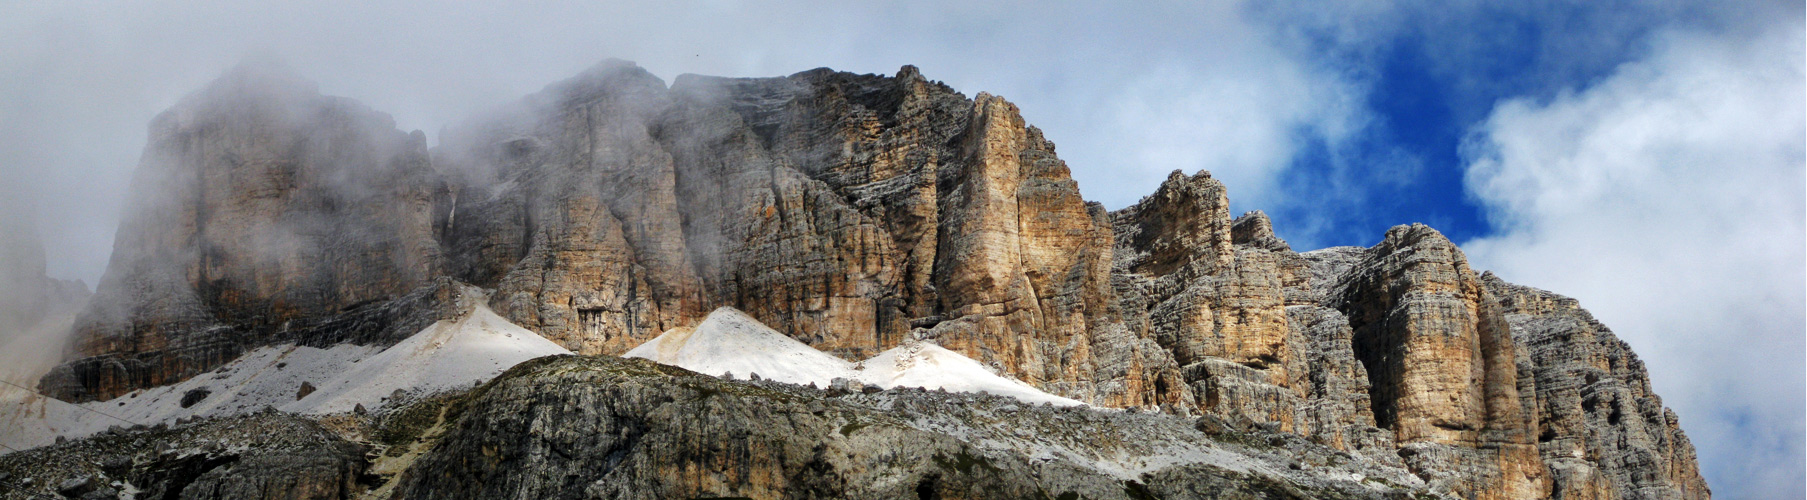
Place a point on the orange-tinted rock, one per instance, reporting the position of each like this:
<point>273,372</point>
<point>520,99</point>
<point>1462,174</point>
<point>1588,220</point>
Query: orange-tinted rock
<point>853,212</point>
<point>1442,366</point>
<point>1218,307</point>
<point>844,210</point>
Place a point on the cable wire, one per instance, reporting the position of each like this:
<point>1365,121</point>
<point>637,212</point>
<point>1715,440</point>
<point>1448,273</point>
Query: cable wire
<point>83,408</point>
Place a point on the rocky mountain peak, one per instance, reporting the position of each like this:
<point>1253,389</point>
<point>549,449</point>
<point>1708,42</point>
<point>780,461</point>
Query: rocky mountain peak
<point>615,79</point>
<point>258,207</point>
<point>851,214</point>
<point>29,298</point>
<point>1254,228</point>
<point>1186,222</point>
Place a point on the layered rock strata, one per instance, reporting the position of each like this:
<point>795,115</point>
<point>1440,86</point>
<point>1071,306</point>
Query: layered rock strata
<point>844,210</point>
<point>852,212</point>
<point>605,427</point>
<point>259,208</point>
<point>1601,429</point>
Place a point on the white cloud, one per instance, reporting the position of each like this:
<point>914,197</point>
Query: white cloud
<point>1668,198</point>
<point>1129,92</point>
<point>1245,121</point>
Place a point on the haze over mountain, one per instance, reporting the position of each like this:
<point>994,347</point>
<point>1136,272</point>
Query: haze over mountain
<point>1567,146</point>
<point>859,216</point>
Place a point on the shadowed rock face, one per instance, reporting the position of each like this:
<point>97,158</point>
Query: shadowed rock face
<point>1601,429</point>
<point>605,427</point>
<point>852,212</point>
<point>259,207</point>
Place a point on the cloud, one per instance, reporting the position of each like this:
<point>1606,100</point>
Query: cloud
<point>1129,92</point>
<point>1665,192</point>
<point>1226,97</point>
<point>1668,198</point>
<point>1246,122</point>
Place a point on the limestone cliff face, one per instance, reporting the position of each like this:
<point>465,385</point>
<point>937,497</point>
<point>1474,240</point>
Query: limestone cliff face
<point>1398,352</point>
<point>567,206</point>
<point>1601,429</point>
<point>1442,366</point>
<point>259,208</point>
<point>853,212</point>
<point>844,210</point>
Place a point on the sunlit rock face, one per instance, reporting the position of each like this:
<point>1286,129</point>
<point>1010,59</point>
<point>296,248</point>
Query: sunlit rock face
<point>1442,365</point>
<point>1600,427</point>
<point>844,210</point>
<point>853,213</point>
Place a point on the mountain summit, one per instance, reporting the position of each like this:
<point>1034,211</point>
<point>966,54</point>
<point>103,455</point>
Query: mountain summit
<point>851,217</point>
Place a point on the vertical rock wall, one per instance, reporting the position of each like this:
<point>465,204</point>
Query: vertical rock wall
<point>846,210</point>
<point>259,206</point>
<point>1442,366</point>
<point>852,212</point>
<point>1601,429</point>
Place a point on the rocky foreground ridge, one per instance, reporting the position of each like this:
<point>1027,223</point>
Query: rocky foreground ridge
<point>852,213</point>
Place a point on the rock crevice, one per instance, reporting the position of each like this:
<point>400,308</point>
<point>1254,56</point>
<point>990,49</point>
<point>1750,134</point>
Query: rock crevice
<point>852,213</point>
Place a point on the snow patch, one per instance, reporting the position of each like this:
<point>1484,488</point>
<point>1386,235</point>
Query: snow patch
<point>731,342</point>
<point>450,354</point>
<point>929,366</point>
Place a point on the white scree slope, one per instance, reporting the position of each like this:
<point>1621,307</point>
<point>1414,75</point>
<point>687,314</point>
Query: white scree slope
<point>730,342</point>
<point>447,355</point>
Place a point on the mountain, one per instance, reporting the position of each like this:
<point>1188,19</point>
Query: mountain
<point>851,217</point>
<point>30,300</point>
<point>36,312</point>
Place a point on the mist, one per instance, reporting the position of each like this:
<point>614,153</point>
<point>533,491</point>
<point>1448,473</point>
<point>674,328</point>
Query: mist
<point>81,81</point>
<point>1128,93</point>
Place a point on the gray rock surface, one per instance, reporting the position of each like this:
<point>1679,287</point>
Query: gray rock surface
<point>266,456</point>
<point>259,207</point>
<point>850,212</point>
<point>589,427</point>
<point>1602,430</point>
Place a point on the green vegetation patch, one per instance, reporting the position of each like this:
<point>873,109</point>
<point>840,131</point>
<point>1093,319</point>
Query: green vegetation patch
<point>964,462</point>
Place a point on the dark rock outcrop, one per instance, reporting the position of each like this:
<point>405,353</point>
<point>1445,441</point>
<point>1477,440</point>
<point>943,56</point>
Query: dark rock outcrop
<point>267,456</point>
<point>605,427</point>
